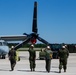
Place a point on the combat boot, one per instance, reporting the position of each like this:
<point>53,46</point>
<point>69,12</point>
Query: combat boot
<point>59,71</point>
<point>48,71</point>
<point>64,70</point>
<point>33,69</point>
<point>12,69</point>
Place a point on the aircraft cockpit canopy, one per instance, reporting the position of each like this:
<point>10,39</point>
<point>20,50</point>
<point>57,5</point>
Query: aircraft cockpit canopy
<point>3,43</point>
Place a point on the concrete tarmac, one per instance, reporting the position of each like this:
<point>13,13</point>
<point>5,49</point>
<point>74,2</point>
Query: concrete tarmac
<point>22,67</point>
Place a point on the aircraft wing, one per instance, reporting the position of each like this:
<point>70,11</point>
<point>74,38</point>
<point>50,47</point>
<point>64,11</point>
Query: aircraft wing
<point>13,38</point>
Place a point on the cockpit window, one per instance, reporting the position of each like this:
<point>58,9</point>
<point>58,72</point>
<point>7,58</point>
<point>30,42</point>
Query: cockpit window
<point>4,43</point>
<point>0,43</point>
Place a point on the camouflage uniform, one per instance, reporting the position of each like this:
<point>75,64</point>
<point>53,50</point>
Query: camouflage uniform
<point>48,57</point>
<point>63,55</point>
<point>12,55</point>
<point>32,56</point>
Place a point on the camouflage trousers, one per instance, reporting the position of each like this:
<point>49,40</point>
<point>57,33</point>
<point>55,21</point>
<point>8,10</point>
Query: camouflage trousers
<point>13,63</point>
<point>63,63</point>
<point>32,64</point>
<point>48,64</point>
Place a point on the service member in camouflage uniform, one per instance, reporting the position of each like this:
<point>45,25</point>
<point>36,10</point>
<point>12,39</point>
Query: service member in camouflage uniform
<point>48,57</point>
<point>12,57</point>
<point>63,55</point>
<point>32,57</point>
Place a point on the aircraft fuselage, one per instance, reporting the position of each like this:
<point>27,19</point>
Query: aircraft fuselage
<point>4,49</point>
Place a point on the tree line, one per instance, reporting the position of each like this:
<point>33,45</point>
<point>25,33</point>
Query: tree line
<point>71,47</point>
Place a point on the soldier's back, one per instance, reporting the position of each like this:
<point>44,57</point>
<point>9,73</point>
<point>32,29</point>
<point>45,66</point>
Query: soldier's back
<point>12,54</point>
<point>63,53</point>
<point>48,53</point>
<point>32,53</point>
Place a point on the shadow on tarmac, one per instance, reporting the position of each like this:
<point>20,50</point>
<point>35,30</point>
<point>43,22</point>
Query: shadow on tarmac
<point>31,71</point>
<point>37,71</point>
<point>4,70</point>
<point>54,71</point>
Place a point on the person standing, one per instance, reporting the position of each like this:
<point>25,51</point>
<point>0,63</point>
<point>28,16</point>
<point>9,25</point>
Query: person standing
<point>32,57</point>
<point>12,57</point>
<point>63,55</point>
<point>48,57</point>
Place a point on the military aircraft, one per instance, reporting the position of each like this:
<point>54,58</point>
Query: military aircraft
<point>4,49</point>
<point>26,38</point>
<point>34,36</point>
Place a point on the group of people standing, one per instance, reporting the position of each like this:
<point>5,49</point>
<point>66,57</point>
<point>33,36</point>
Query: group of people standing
<point>63,54</point>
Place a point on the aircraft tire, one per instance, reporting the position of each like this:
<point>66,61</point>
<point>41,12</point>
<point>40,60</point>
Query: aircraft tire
<point>3,56</point>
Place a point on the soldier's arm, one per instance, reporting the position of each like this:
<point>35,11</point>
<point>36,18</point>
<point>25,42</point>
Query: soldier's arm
<point>8,53</point>
<point>58,54</point>
<point>67,53</point>
<point>29,50</point>
<point>51,54</point>
<point>35,54</point>
<point>15,53</point>
<point>45,50</point>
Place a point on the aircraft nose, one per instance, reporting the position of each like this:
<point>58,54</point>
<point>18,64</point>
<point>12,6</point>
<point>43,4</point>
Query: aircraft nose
<point>4,49</point>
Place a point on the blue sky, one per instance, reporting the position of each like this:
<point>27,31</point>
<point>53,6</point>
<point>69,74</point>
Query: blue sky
<point>56,19</point>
